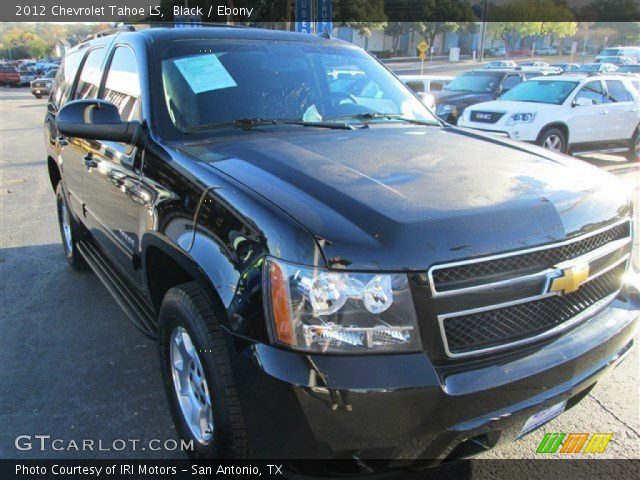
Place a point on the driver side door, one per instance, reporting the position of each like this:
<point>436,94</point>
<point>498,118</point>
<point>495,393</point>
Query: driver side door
<point>115,200</point>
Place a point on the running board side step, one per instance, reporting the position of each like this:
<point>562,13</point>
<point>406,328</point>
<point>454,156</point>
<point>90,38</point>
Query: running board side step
<point>137,309</point>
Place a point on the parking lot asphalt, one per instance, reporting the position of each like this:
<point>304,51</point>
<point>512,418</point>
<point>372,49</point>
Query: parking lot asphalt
<point>73,367</point>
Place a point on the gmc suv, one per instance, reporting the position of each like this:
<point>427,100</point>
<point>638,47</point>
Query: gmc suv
<point>328,269</point>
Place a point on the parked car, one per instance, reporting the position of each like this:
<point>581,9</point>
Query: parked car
<point>426,83</point>
<point>615,60</point>
<point>630,52</point>
<point>26,75</point>
<point>500,64</point>
<point>521,52</point>
<point>546,51</point>
<point>597,68</point>
<point>634,68</point>
<point>474,87</point>
<point>320,289</point>
<point>566,67</point>
<point>538,66</point>
<point>569,113</point>
<point>9,76</point>
<point>495,52</point>
<point>42,86</point>
<point>533,64</point>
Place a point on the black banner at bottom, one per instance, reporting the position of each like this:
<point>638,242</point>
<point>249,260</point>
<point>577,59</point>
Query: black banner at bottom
<point>584,469</point>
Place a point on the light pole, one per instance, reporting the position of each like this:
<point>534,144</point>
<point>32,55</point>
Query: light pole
<point>483,30</point>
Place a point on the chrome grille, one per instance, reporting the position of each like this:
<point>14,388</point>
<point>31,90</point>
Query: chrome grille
<point>510,324</point>
<point>480,271</point>
<point>529,308</point>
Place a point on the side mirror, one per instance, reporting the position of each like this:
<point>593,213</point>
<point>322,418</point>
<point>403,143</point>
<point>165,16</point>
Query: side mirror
<point>427,99</point>
<point>582,102</point>
<point>95,119</point>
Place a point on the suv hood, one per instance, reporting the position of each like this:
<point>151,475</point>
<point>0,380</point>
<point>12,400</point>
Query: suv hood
<point>403,197</point>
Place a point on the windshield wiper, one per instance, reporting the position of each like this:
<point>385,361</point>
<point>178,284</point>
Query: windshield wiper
<point>245,123</point>
<point>248,123</point>
<point>390,116</point>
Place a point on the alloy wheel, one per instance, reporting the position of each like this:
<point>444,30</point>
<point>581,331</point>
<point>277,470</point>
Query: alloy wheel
<point>553,142</point>
<point>191,386</point>
<point>65,221</point>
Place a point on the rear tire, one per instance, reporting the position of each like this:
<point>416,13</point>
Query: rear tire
<point>553,139</point>
<point>69,231</point>
<point>633,155</point>
<point>195,361</point>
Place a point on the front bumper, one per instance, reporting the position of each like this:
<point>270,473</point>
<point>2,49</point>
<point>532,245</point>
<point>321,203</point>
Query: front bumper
<point>39,90</point>
<point>526,132</point>
<point>404,407</point>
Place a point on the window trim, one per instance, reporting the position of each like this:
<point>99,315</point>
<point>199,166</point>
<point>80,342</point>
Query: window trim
<point>581,87</point>
<point>72,93</point>
<point>107,68</point>
<point>624,86</point>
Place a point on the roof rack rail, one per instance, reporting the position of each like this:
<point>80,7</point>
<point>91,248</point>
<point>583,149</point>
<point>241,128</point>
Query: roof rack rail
<point>175,24</point>
<point>111,31</point>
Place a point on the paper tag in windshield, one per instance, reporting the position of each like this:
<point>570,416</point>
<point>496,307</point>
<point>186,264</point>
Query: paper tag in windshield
<point>204,73</point>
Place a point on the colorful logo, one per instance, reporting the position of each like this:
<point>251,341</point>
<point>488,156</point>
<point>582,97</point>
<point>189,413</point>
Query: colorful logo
<point>574,442</point>
<point>567,280</point>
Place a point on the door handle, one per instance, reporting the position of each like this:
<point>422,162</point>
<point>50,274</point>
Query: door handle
<point>62,141</point>
<point>89,162</point>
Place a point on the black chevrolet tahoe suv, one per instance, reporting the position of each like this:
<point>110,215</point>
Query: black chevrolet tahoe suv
<point>329,270</point>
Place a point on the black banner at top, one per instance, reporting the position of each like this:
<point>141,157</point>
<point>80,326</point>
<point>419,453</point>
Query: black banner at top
<point>344,11</point>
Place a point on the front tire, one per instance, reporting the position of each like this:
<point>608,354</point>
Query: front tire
<point>633,155</point>
<point>69,231</point>
<point>553,139</point>
<point>197,375</point>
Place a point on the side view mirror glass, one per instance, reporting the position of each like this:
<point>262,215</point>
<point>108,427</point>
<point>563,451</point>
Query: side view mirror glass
<point>95,119</point>
<point>582,102</point>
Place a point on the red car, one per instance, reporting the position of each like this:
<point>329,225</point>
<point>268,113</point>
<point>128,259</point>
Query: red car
<point>9,76</point>
<point>523,52</point>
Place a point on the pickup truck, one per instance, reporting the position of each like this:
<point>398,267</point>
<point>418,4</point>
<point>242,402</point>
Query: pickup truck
<point>9,76</point>
<point>328,269</point>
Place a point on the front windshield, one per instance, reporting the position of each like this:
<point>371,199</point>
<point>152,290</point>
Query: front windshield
<point>541,91</point>
<point>214,83</point>
<point>612,52</point>
<point>473,82</point>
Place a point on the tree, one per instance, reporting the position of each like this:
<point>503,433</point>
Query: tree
<point>459,12</point>
<point>509,32</point>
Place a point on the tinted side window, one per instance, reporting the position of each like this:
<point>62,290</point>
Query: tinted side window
<point>617,92</point>
<point>122,87</point>
<point>510,81</point>
<point>90,75</point>
<point>593,91</point>
<point>66,76</point>
<point>416,86</point>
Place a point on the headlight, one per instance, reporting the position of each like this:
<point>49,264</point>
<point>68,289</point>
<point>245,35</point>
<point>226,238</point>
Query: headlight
<point>319,310</point>
<point>445,109</point>
<point>520,118</point>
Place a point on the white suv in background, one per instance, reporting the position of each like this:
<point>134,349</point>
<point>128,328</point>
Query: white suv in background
<point>568,114</point>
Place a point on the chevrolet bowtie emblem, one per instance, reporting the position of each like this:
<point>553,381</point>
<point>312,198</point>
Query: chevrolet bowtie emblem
<point>568,280</point>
